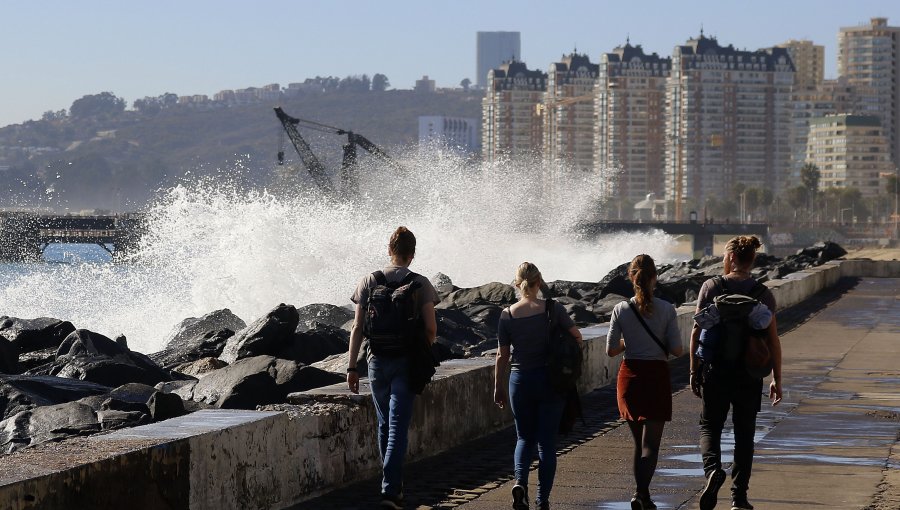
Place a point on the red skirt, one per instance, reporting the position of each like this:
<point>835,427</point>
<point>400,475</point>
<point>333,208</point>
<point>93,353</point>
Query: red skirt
<point>644,391</point>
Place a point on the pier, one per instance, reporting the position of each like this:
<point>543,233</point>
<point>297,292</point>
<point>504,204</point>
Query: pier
<point>702,233</point>
<point>25,235</point>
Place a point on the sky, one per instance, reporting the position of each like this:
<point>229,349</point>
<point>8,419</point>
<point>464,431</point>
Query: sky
<point>53,52</point>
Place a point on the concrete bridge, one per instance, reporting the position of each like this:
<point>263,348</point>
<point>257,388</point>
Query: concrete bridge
<point>25,235</point>
<point>702,233</point>
<point>832,443</point>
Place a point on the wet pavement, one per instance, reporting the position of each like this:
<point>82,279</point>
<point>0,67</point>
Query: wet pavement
<point>831,444</point>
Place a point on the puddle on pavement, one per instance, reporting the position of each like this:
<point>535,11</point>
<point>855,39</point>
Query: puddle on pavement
<point>694,472</point>
<point>829,459</point>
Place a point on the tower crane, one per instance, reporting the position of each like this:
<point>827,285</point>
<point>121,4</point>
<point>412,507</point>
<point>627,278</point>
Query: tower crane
<point>348,162</point>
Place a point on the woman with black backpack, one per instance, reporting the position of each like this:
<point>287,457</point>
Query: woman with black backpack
<point>643,389</point>
<point>524,338</point>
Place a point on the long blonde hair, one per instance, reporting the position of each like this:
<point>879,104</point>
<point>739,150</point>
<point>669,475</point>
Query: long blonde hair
<point>641,272</point>
<point>527,275</point>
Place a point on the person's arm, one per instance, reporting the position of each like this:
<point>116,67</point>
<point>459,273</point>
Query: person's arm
<point>356,335</point>
<point>575,332</point>
<point>501,369</point>
<point>428,316</point>
<point>615,344</point>
<point>695,362</point>
<point>775,390</point>
<point>673,334</point>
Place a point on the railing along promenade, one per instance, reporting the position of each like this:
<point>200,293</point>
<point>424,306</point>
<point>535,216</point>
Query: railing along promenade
<point>322,440</point>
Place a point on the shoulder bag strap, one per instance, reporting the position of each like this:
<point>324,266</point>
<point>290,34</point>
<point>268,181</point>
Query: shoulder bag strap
<point>646,327</point>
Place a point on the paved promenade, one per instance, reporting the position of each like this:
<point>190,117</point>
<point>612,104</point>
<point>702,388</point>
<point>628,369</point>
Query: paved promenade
<point>831,444</point>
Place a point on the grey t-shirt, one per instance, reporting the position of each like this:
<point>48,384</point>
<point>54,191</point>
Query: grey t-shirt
<point>638,343</point>
<point>709,291</point>
<point>529,336</point>
<point>392,274</point>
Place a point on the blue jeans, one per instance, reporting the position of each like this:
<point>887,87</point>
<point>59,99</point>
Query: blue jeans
<point>537,409</point>
<point>389,378</point>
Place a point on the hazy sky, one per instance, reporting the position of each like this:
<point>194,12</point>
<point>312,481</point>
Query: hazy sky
<point>55,51</point>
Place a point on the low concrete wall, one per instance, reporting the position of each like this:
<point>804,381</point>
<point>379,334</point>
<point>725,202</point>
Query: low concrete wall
<point>252,459</point>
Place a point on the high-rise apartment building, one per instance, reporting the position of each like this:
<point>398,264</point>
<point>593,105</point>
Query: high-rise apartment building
<point>867,56</point>
<point>458,134</point>
<point>568,112</point>
<point>495,48</point>
<point>630,104</point>
<point>809,62</point>
<point>510,123</point>
<point>728,119</point>
<point>850,152</point>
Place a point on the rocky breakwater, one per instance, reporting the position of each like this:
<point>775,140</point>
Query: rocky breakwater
<point>57,381</point>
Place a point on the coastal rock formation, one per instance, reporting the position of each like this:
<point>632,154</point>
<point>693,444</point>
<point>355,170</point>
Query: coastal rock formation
<point>195,338</point>
<point>23,392</point>
<point>265,335</point>
<point>28,335</point>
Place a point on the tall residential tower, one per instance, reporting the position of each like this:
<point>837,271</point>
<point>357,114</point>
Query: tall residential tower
<point>568,112</point>
<point>510,124</point>
<point>495,48</point>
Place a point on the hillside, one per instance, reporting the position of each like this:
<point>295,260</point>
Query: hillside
<point>116,162</point>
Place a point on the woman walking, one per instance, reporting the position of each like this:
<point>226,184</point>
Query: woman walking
<point>524,338</point>
<point>724,384</point>
<point>643,390</point>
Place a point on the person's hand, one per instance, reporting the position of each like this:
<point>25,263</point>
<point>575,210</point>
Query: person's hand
<point>353,381</point>
<point>775,392</point>
<point>697,384</point>
<point>500,397</point>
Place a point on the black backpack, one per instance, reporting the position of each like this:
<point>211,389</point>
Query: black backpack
<point>739,344</point>
<point>393,315</point>
<point>564,354</point>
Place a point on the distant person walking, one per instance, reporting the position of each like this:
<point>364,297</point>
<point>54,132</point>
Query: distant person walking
<point>394,307</point>
<point>524,340</point>
<point>645,328</point>
<point>724,384</point>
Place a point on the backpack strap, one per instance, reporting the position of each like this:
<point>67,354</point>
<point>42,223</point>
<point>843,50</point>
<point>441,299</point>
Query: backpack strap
<point>719,282</point>
<point>380,279</point>
<point>408,278</point>
<point>646,327</point>
<point>757,290</point>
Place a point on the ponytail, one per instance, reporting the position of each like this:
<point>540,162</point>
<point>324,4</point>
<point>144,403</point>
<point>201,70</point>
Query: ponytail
<point>527,275</point>
<point>641,272</point>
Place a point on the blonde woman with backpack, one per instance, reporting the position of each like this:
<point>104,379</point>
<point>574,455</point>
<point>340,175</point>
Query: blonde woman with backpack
<point>524,338</point>
<point>645,328</point>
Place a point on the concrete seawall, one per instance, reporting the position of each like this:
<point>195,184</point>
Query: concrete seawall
<point>221,459</point>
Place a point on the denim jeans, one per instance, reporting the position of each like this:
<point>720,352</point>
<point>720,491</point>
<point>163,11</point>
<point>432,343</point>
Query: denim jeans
<point>389,378</point>
<point>724,389</point>
<point>537,409</point>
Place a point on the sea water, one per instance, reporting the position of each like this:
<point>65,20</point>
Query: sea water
<point>210,245</point>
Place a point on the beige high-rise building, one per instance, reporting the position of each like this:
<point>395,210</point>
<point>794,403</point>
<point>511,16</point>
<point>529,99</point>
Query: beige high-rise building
<point>728,121</point>
<point>511,126</point>
<point>850,152</point>
<point>629,145</point>
<point>809,62</point>
<point>867,56</point>
<point>568,113</point>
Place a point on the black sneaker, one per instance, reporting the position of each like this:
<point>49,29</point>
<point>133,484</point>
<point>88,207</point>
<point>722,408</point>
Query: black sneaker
<point>740,503</point>
<point>520,498</point>
<point>392,502</point>
<point>642,502</point>
<point>710,493</point>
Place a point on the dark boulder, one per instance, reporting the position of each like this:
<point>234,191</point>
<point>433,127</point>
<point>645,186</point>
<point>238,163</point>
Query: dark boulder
<point>264,336</point>
<point>497,294</point>
<point>9,358</point>
<point>29,335</point>
<point>616,282</point>
<point>192,348</point>
<point>163,406</point>
<point>323,313</point>
<point>443,284</point>
<point>188,330</point>
<point>48,423</point>
<point>34,359</point>
<point>823,251</point>
<point>314,344</point>
<point>200,367</point>
<point>257,380</point>
<point>337,364</point>
<point>93,357</point>
<point>24,392</point>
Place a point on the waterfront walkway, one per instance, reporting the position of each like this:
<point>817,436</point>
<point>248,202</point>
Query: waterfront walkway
<point>831,444</point>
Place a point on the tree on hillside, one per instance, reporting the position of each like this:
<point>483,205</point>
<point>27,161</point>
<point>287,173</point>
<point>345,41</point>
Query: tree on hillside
<point>809,176</point>
<point>465,84</point>
<point>57,115</point>
<point>97,105</point>
<point>380,82</point>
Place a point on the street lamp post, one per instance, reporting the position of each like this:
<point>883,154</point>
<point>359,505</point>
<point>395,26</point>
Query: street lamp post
<point>841,214</point>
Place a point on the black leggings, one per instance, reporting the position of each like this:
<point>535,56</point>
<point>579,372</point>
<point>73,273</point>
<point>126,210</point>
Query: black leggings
<point>647,436</point>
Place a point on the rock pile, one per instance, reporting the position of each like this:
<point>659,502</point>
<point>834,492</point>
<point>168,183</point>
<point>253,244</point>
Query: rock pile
<point>57,381</point>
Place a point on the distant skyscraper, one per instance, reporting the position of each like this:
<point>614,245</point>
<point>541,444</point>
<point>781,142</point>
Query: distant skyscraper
<point>568,113</point>
<point>809,62</point>
<point>495,48</point>
<point>510,126</point>
<point>630,128</point>
<point>728,119</point>
<point>867,57</point>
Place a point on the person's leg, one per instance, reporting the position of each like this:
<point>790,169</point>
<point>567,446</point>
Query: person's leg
<point>550,414</point>
<point>713,413</point>
<point>525,414</point>
<point>652,436</point>
<point>400,414</point>
<point>745,406</point>
<point>381,396</point>
<point>637,435</point>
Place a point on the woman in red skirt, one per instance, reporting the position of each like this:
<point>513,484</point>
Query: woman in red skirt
<point>646,330</point>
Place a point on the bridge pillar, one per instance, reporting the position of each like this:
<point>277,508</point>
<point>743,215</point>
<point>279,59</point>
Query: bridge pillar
<point>702,245</point>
